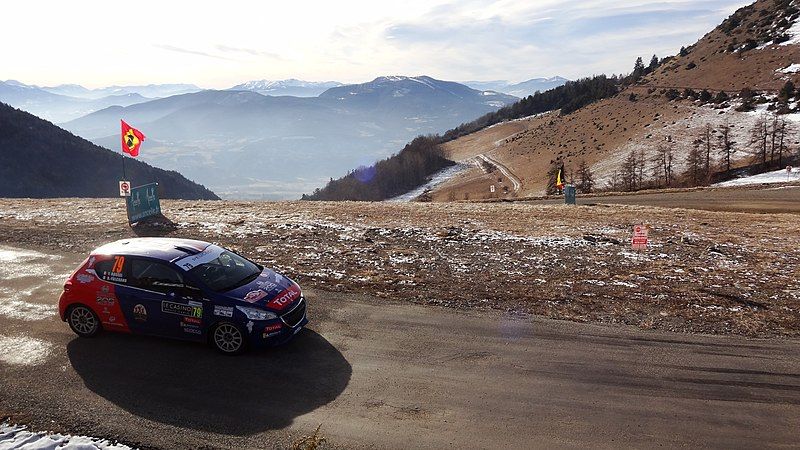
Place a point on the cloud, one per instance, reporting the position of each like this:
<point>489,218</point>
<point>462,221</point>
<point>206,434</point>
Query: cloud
<point>173,48</point>
<point>248,51</point>
<point>578,38</point>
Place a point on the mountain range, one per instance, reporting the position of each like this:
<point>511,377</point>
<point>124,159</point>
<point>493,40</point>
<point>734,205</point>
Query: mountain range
<point>40,160</point>
<point>246,145</point>
<point>291,87</point>
<point>522,89</point>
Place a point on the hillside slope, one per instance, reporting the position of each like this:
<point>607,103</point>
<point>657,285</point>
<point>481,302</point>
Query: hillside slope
<point>40,160</point>
<point>752,49</point>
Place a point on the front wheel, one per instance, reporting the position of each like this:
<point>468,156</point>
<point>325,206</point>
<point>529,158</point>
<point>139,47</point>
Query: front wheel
<point>83,321</point>
<point>228,339</point>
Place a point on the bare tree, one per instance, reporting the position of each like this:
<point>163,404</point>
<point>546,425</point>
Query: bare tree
<point>759,136</point>
<point>662,168</point>
<point>726,145</point>
<point>708,134</point>
<point>640,164</point>
<point>694,163</point>
<point>629,170</point>
<point>585,178</point>
<point>781,132</point>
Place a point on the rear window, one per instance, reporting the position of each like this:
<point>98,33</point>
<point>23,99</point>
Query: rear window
<point>112,270</point>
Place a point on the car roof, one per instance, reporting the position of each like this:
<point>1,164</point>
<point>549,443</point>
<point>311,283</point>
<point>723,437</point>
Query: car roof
<point>167,249</point>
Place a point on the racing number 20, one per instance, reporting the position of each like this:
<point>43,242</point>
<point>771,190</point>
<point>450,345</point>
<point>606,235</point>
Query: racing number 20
<point>119,263</point>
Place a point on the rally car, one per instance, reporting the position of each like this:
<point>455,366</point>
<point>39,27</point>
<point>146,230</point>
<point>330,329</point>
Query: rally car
<point>183,289</point>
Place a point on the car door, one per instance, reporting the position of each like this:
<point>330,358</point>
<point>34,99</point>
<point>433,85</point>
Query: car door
<point>160,305</point>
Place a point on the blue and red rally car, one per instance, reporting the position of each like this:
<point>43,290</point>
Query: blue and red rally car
<point>183,289</point>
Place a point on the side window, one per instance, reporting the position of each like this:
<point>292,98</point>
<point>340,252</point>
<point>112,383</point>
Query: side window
<point>154,276</point>
<point>112,269</point>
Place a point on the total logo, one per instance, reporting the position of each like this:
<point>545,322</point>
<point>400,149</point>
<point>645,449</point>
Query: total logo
<point>286,297</point>
<point>271,330</point>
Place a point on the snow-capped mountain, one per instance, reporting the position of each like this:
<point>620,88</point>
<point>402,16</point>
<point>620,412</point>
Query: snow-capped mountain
<point>292,87</point>
<point>522,89</point>
<point>416,91</point>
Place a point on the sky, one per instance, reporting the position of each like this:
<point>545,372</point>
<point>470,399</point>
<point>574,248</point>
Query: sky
<point>220,44</point>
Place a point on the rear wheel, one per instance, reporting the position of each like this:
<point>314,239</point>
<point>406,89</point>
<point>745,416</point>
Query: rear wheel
<point>83,321</point>
<point>229,339</point>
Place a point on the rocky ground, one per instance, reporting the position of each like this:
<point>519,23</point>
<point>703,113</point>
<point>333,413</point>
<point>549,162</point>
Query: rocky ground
<point>706,272</point>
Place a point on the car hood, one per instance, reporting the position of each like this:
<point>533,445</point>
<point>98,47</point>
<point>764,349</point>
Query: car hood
<point>270,290</point>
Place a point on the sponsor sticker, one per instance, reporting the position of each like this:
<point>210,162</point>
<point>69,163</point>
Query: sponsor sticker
<point>191,320</point>
<point>286,297</point>
<point>271,330</point>
<point>84,278</point>
<point>223,311</point>
<point>188,328</point>
<point>266,285</point>
<point>140,313</point>
<point>254,296</point>
<point>211,253</point>
<point>181,309</point>
<point>105,301</point>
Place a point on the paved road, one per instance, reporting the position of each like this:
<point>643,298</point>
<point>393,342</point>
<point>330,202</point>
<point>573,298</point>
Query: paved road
<point>753,199</point>
<point>381,374</point>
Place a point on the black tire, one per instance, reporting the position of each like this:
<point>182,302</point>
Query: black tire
<point>83,321</point>
<point>228,339</point>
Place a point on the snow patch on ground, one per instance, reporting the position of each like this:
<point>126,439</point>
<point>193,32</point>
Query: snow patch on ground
<point>19,437</point>
<point>778,176</point>
<point>23,350</point>
<point>437,179</point>
<point>13,306</point>
<point>18,263</point>
<point>793,68</point>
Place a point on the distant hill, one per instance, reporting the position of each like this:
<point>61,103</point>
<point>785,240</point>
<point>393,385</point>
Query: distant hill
<point>40,160</point>
<point>149,90</point>
<point>520,90</point>
<point>58,107</point>
<point>247,145</point>
<point>291,87</point>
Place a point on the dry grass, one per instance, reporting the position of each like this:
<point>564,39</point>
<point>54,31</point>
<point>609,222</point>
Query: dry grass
<point>310,442</point>
<point>705,271</point>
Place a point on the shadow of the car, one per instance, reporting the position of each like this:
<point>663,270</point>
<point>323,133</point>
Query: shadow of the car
<point>190,385</point>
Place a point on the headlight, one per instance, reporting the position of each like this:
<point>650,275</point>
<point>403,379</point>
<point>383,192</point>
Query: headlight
<point>256,314</point>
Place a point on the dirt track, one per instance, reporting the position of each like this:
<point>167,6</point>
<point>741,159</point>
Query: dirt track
<point>750,199</point>
<point>386,374</point>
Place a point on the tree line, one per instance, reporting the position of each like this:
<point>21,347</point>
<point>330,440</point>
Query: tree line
<point>390,177</point>
<point>710,158</point>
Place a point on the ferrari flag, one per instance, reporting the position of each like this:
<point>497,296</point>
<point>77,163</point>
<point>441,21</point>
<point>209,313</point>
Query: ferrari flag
<point>131,139</point>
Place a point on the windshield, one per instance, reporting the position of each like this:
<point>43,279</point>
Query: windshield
<point>226,271</point>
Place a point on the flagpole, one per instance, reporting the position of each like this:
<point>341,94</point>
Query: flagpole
<point>124,177</point>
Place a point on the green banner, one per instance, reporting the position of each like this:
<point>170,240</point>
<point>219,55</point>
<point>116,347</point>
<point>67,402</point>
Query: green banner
<point>143,202</point>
